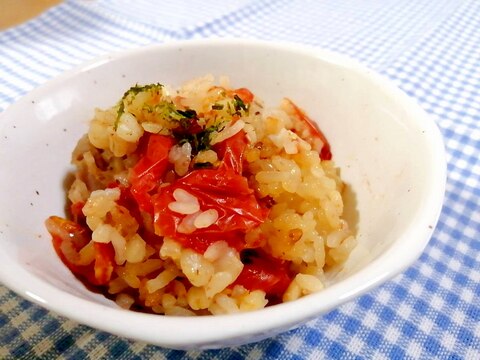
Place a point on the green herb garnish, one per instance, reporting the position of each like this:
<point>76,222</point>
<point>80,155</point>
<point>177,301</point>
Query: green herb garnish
<point>134,90</point>
<point>202,165</point>
<point>189,113</point>
<point>217,106</point>
<point>239,104</point>
<point>199,141</point>
<point>167,111</point>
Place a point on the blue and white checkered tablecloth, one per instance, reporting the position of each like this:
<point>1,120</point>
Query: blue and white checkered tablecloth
<point>430,49</point>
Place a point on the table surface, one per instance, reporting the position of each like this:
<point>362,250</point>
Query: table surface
<point>430,49</point>
<point>15,12</point>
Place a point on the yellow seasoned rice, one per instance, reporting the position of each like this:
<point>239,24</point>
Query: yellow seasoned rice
<point>304,227</point>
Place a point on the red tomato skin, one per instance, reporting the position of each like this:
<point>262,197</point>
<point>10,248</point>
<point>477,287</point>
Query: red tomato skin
<point>76,211</point>
<point>57,243</point>
<point>147,173</point>
<point>325,153</point>
<point>263,272</point>
<point>104,263</point>
<point>66,230</point>
<point>223,189</point>
<point>231,152</point>
<point>97,273</point>
<point>228,193</point>
<point>244,94</point>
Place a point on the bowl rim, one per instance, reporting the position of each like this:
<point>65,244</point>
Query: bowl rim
<point>210,331</point>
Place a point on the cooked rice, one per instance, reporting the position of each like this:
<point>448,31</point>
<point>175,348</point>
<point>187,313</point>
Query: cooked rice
<point>304,227</point>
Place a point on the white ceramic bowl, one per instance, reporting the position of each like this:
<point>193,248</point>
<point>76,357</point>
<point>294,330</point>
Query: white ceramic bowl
<point>390,153</point>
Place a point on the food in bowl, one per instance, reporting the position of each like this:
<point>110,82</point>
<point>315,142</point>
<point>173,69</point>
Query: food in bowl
<point>390,153</point>
<point>200,200</point>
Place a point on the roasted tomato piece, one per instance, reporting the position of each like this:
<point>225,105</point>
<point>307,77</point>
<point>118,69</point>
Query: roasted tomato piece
<point>69,238</point>
<point>77,214</point>
<point>312,131</point>
<point>223,189</point>
<point>146,174</point>
<point>231,152</point>
<point>244,94</point>
<point>227,192</point>
<point>263,272</point>
<point>104,263</point>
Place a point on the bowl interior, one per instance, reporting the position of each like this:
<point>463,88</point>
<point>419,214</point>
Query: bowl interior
<point>381,142</point>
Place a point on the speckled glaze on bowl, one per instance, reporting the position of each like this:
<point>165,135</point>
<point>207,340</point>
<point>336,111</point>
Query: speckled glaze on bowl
<point>390,153</point>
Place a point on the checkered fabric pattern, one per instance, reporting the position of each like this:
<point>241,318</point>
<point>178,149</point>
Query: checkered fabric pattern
<point>430,49</point>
